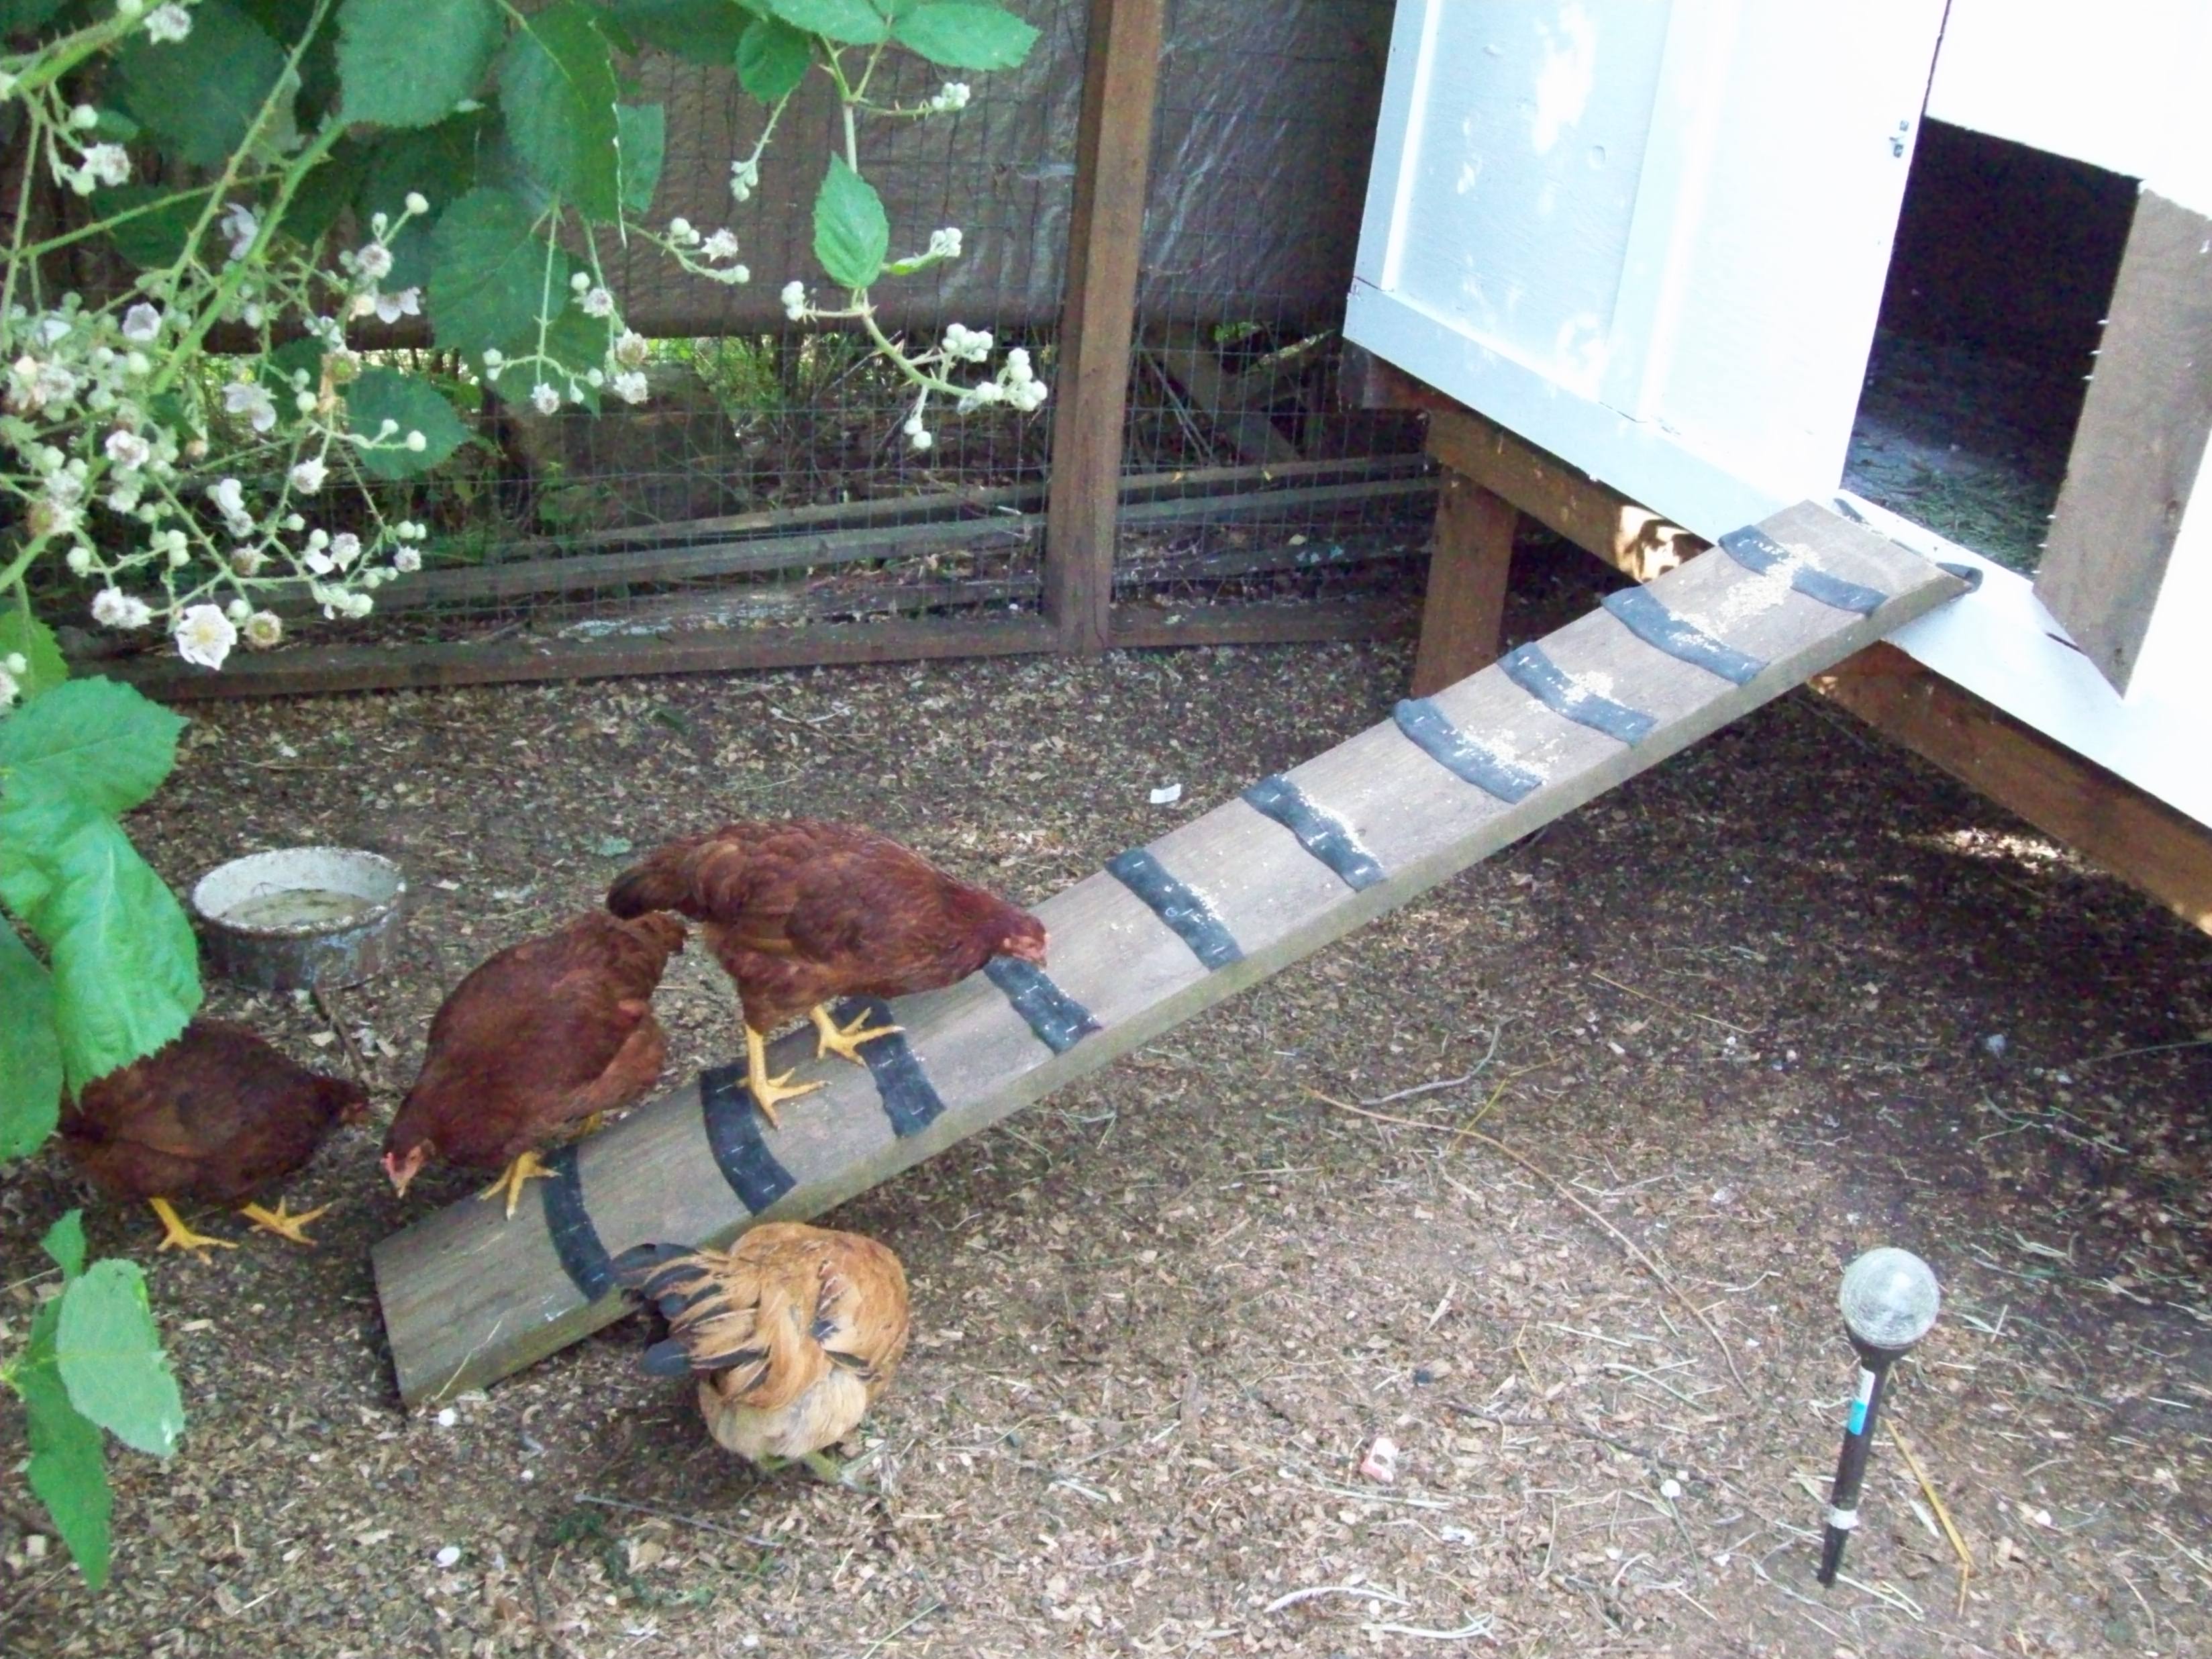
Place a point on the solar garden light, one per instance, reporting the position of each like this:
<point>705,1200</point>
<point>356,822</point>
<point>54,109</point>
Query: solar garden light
<point>1889,1299</point>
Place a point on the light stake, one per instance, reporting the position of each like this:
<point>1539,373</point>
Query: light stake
<point>1889,1299</point>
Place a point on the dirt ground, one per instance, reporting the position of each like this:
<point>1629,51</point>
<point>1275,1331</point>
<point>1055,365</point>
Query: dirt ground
<point>1790,996</point>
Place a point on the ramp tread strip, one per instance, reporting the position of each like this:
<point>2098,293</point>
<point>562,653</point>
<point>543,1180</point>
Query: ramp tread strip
<point>1646,616</point>
<point>910,1100</point>
<point>1760,554</point>
<point>1059,1021</point>
<point>568,1223</point>
<point>1176,904</point>
<point>1528,667</point>
<point>1320,831</point>
<point>1427,728</point>
<point>734,1135</point>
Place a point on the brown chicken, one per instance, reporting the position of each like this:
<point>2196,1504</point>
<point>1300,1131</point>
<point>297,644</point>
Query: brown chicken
<point>800,913</point>
<point>217,1115</point>
<point>548,1033</point>
<point>793,1331</point>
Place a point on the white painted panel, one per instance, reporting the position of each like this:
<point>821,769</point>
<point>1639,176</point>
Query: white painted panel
<point>2119,84</point>
<point>1519,195</point>
<point>2174,667</point>
<point>1651,237</point>
<point>2000,643</point>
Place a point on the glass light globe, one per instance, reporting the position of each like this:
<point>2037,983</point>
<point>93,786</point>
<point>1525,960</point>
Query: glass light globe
<point>1890,1298</point>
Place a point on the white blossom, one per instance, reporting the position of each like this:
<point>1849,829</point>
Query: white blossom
<point>543,399</point>
<point>104,164</point>
<point>373,261</point>
<point>264,628</point>
<point>142,324</point>
<point>629,349</point>
<point>408,302</point>
<point>597,302</point>
<point>252,399</point>
<point>944,244</point>
<point>319,561</point>
<point>345,548</point>
<point>127,451</point>
<point>722,244</point>
<point>407,560</point>
<point>745,178</point>
<point>204,636</point>
<point>417,202</point>
<point>242,225</point>
<point>308,477</point>
<point>248,561</point>
<point>169,23</point>
<point>954,96</point>
<point>112,608</point>
<point>795,302</point>
<point>79,559</point>
<point>630,386</point>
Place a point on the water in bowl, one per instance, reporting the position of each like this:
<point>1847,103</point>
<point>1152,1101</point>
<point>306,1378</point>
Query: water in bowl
<point>322,908</point>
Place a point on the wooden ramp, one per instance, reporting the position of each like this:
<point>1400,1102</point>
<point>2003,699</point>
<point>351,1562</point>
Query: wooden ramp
<point>1162,933</point>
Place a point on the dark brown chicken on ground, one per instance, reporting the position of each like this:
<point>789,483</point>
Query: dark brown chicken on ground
<point>546,1034</point>
<point>793,1333</point>
<point>217,1115</point>
<point>800,913</point>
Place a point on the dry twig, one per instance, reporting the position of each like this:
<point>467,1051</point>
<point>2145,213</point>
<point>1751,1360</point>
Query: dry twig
<point>1942,1514</point>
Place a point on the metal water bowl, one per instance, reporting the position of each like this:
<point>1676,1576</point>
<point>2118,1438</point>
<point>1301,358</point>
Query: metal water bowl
<point>301,918</point>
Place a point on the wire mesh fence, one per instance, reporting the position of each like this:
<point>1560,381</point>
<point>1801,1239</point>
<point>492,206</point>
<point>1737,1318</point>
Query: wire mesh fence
<point>767,479</point>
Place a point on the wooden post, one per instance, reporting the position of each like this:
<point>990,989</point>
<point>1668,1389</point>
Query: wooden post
<point>1464,612</point>
<point>1105,250</point>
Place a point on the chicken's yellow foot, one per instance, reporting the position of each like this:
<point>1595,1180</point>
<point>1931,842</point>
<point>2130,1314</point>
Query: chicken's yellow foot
<point>525,1168</point>
<point>827,1468</point>
<point>831,1038</point>
<point>282,1222</point>
<point>177,1235</point>
<point>767,1091</point>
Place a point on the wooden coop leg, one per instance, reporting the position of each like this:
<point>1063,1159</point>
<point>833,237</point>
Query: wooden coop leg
<point>1464,615</point>
<point>1106,236</point>
<point>1162,933</point>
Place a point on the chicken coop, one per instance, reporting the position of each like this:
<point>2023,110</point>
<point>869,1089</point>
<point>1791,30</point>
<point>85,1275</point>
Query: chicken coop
<point>1661,269</point>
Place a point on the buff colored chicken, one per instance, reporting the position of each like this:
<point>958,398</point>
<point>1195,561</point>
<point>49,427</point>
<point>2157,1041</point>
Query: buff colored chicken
<point>800,913</point>
<point>793,1333</point>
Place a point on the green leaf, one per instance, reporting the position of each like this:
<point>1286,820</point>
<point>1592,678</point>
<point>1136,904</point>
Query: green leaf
<point>30,1049</point>
<point>110,1360</point>
<point>850,22</point>
<point>65,1243</point>
<point>557,94</point>
<point>23,634</point>
<point>958,35</point>
<point>576,342</point>
<point>203,93</point>
<point>386,394</point>
<point>69,1463</point>
<point>698,31</point>
<point>644,131</point>
<point>152,239</point>
<point>125,966</point>
<point>851,232</point>
<point>773,59</point>
<point>94,740</point>
<point>441,163</point>
<point>407,62</point>
<point>323,195</point>
<point>488,272</point>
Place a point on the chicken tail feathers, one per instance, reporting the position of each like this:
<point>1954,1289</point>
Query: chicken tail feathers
<point>668,1357</point>
<point>661,883</point>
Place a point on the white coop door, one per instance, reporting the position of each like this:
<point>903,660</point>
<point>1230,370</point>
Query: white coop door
<point>1649,235</point>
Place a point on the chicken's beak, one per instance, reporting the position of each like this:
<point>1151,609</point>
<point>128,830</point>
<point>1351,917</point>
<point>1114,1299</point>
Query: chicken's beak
<point>400,1171</point>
